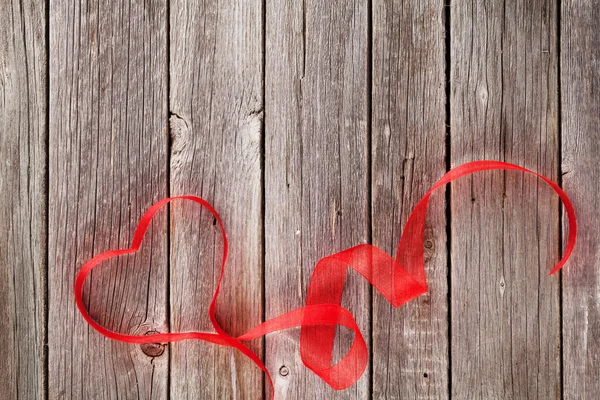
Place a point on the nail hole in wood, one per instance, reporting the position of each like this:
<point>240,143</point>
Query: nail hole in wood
<point>284,371</point>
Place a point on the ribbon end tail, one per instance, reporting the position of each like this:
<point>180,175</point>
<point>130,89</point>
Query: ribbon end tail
<point>555,270</point>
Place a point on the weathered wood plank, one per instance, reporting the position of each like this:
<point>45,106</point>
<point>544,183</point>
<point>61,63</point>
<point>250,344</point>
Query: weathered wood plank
<point>505,328</point>
<point>410,345</point>
<point>23,85</point>
<point>580,80</point>
<point>216,105</point>
<point>107,165</point>
<point>316,170</point>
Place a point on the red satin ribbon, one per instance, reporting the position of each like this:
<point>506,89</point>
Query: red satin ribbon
<point>398,280</point>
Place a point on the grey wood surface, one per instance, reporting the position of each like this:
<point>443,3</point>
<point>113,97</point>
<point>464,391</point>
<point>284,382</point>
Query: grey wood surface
<point>410,344</point>
<point>216,132</point>
<point>505,327</point>
<point>107,164</point>
<point>580,80</point>
<point>316,172</point>
<point>311,126</point>
<point>23,189</point>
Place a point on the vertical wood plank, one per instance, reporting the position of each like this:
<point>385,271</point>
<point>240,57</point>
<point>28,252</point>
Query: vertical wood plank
<point>23,108</point>
<point>410,344</point>
<point>107,165</point>
<point>580,80</point>
<point>505,339</point>
<point>216,117</point>
<point>316,170</point>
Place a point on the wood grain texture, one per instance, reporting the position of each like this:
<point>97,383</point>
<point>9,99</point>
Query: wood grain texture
<point>216,123</point>
<point>316,170</point>
<point>410,344</point>
<point>23,85</point>
<point>505,328</point>
<point>354,103</point>
<point>580,80</point>
<point>107,165</point>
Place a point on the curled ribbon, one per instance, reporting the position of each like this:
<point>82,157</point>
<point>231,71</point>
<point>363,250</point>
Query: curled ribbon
<point>399,280</point>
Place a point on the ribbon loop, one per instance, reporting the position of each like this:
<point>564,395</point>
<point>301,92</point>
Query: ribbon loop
<point>399,280</point>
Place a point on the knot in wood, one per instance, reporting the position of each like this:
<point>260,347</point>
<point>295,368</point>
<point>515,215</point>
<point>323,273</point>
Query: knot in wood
<point>152,349</point>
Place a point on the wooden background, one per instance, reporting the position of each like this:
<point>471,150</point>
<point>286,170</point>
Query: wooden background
<point>312,126</point>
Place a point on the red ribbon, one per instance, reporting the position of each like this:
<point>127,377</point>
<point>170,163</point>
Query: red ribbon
<point>398,280</point>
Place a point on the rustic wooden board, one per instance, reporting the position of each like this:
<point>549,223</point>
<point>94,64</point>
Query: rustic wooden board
<point>505,316</point>
<point>23,107</point>
<point>107,165</point>
<point>354,134</point>
<point>580,79</point>
<point>316,170</point>
<point>410,345</point>
<point>216,132</point>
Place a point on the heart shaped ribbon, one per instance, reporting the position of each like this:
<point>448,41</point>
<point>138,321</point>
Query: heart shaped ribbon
<point>399,280</point>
